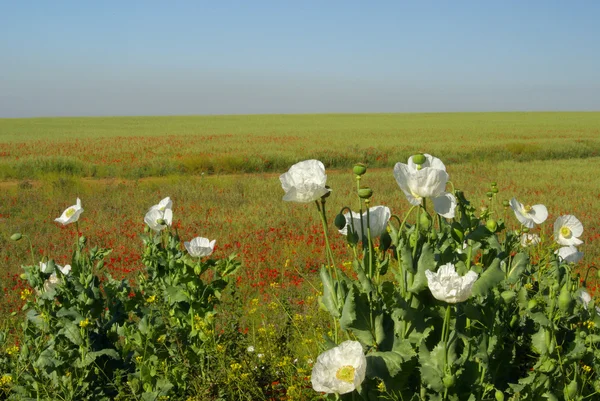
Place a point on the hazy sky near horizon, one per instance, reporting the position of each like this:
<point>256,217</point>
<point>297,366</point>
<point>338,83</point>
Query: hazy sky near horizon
<point>136,57</point>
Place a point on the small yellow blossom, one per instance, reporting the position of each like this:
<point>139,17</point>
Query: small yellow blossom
<point>12,350</point>
<point>25,294</point>
<point>244,376</point>
<point>586,369</point>
<point>528,286</point>
<point>84,323</point>
<point>235,367</point>
<point>138,359</point>
<point>274,285</point>
<point>273,305</point>
<point>254,302</point>
<point>151,299</point>
<point>161,339</point>
<point>6,381</point>
<point>220,348</point>
<point>589,324</point>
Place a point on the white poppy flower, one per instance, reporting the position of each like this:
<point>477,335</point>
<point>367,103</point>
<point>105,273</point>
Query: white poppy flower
<point>341,369</point>
<point>529,239</point>
<point>529,215</point>
<point>378,217</point>
<point>71,214</point>
<point>51,282</point>
<point>430,161</point>
<point>44,268</point>
<point>304,182</point>
<point>446,285</point>
<point>163,205</point>
<point>158,220</point>
<point>569,254</point>
<point>250,349</point>
<point>567,229</point>
<point>429,182</point>
<point>584,297</point>
<point>199,247</point>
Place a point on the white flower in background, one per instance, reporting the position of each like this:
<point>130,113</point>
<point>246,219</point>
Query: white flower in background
<point>199,247</point>
<point>304,182</point>
<point>250,349</point>
<point>430,161</point>
<point>378,219</point>
<point>71,214</point>
<point>45,268</point>
<point>163,205</point>
<point>446,285</point>
<point>567,229</point>
<point>569,254</point>
<point>341,369</point>
<point>529,240</point>
<point>529,215</point>
<point>584,297</point>
<point>52,281</point>
<point>428,182</point>
<point>158,220</point>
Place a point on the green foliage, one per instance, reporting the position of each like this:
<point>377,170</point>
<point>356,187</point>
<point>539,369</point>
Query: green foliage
<point>522,334</point>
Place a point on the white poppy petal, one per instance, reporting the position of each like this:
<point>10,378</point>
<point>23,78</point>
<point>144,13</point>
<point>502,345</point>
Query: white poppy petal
<point>444,205</point>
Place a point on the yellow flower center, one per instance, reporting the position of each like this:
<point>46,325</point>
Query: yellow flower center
<point>565,232</point>
<point>346,373</point>
<point>70,212</point>
<point>527,208</point>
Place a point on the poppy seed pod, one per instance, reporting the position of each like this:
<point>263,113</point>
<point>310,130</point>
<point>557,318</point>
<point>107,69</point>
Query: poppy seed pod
<point>359,169</point>
<point>419,158</point>
<point>365,193</point>
<point>491,225</point>
<point>16,236</point>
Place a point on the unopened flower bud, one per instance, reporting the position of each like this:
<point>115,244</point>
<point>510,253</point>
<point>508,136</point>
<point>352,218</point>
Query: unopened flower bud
<point>495,190</point>
<point>448,381</point>
<point>499,395</point>
<point>385,241</point>
<point>425,221</point>
<point>359,169</point>
<point>525,229</point>
<point>419,158</point>
<point>365,193</point>
<point>16,237</point>
<point>82,240</point>
<point>340,221</point>
<point>489,194</point>
<point>505,203</point>
<point>491,225</point>
<point>493,184</point>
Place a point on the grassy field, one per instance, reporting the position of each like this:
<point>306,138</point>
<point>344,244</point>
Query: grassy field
<point>121,166</point>
<point>136,147</point>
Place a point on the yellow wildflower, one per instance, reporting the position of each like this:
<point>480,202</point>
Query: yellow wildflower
<point>151,299</point>
<point>84,323</point>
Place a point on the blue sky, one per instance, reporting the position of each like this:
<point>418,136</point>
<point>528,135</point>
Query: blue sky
<point>70,58</point>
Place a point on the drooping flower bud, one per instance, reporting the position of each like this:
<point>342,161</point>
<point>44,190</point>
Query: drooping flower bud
<point>385,241</point>
<point>16,236</point>
<point>565,299</point>
<point>340,221</point>
<point>359,169</point>
<point>499,395</point>
<point>365,193</point>
<point>505,203</point>
<point>489,194</point>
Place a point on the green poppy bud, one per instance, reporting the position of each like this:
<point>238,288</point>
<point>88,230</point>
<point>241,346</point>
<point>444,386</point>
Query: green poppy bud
<point>489,194</point>
<point>505,203</point>
<point>385,241</point>
<point>82,240</point>
<point>491,225</point>
<point>499,395</point>
<point>525,229</point>
<point>513,321</point>
<point>419,158</point>
<point>508,296</point>
<point>494,184</point>
<point>16,237</point>
<point>365,193</point>
<point>340,221</point>
<point>565,299</point>
<point>359,169</point>
<point>448,381</point>
<point>495,190</point>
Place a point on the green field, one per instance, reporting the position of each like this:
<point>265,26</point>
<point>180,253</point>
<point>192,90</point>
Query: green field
<point>222,174</point>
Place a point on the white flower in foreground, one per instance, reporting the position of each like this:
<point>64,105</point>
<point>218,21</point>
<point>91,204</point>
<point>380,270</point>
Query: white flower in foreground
<point>158,220</point>
<point>51,282</point>
<point>529,215</point>
<point>569,254</point>
<point>44,268</point>
<point>378,219</point>
<point>429,182</point>
<point>529,240</point>
<point>567,229</point>
<point>446,285</point>
<point>304,182</point>
<point>163,205</point>
<point>71,214</point>
<point>199,247</point>
<point>341,369</point>
<point>584,297</point>
<point>430,161</point>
